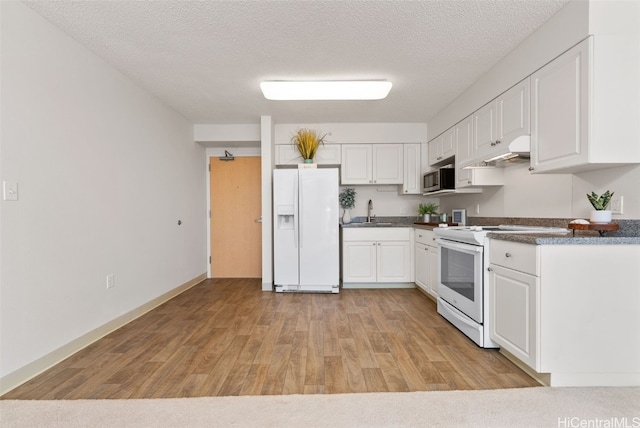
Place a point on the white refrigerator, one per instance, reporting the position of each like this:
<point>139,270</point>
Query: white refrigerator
<point>305,231</point>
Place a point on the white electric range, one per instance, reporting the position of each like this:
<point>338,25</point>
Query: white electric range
<point>463,278</point>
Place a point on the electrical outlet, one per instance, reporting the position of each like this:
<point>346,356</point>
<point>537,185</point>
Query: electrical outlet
<point>616,205</point>
<point>10,190</point>
<point>404,211</point>
<point>110,282</point>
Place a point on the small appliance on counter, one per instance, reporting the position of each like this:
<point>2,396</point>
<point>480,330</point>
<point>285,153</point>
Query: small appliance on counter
<point>459,216</point>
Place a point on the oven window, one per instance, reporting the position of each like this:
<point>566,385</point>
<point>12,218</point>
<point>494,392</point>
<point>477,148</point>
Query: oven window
<point>457,272</point>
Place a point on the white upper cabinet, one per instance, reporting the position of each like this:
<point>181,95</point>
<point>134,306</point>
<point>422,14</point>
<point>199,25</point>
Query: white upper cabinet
<point>559,112</point>
<point>327,154</point>
<point>442,148</point>
<point>500,122</point>
<point>469,177</point>
<point>583,108</point>
<point>388,163</point>
<point>464,144</point>
<point>513,113</point>
<point>372,164</point>
<point>357,164</point>
<point>412,183</point>
<point>485,133</point>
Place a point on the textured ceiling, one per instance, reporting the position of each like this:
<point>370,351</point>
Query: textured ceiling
<point>206,58</point>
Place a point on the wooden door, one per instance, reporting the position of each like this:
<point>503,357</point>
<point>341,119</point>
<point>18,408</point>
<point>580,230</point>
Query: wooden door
<point>236,237</point>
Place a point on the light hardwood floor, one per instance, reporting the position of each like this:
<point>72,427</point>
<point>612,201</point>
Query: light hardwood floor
<point>227,337</point>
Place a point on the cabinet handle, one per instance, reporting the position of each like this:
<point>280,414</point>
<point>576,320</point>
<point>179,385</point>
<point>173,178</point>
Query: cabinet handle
<point>507,254</point>
<point>405,191</point>
<point>419,236</point>
<point>498,142</point>
<point>370,181</point>
<point>492,144</point>
<point>378,244</point>
<point>531,168</point>
<point>373,243</point>
<point>490,269</point>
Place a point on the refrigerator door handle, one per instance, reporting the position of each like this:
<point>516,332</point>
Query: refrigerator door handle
<point>295,212</point>
<point>300,204</point>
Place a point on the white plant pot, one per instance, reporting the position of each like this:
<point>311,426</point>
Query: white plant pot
<point>346,217</point>
<point>603,216</point>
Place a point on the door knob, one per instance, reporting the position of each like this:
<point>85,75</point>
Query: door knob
<point>258,220</point>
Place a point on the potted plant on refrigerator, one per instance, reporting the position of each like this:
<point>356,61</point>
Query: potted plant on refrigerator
<point>347,201</point>
<point>307,141</point>
<point>600,214</point>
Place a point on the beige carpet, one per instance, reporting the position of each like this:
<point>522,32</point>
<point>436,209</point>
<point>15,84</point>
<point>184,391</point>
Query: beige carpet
<point>525,407</point>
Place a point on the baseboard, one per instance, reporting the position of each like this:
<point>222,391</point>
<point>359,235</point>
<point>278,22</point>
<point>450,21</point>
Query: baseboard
<point>31,370</point>
<point>429,295</point>
<point>380,285</point>
<point>543,379</point>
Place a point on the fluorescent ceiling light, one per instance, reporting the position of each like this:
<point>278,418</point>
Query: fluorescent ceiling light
<point>280,90</point>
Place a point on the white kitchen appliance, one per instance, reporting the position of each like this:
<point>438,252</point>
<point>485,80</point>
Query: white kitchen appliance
<point>463,278</point>
<point>305,231</point>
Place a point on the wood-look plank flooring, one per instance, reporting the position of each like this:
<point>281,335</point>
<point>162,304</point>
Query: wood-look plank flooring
<point>227,337</point>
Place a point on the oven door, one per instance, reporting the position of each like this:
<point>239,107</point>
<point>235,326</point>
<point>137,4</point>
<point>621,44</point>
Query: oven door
<point>460,277</point>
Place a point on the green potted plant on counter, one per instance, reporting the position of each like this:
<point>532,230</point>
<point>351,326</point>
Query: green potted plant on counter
<point>347,201</point>
<point>600,214</point>
<point>427,210</point>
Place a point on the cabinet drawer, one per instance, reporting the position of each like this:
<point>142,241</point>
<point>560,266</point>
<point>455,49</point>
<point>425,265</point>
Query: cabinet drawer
<point>514,255</point>
<point>376,234</point>
<point>426,237</point>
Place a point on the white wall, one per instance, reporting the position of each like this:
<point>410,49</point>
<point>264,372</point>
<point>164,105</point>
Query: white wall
<point>386,201</point>
<point>105,172</point>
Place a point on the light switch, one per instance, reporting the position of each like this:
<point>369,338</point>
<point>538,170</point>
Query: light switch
<point>10,190</point>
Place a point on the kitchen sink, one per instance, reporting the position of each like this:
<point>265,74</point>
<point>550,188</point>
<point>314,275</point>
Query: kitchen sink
<point>369,224</point>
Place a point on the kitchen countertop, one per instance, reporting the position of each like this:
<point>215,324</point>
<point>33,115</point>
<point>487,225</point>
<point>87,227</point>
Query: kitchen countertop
<point>568,239</point>
<point>628,234</point>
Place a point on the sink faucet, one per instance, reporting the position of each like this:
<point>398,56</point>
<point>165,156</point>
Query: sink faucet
<point>369,211</point>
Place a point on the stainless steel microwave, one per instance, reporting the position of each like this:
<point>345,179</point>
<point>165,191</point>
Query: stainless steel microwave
<point>440,179</point>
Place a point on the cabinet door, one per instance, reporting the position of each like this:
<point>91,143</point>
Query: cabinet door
<point>412,184</point>
<point>442,148</point>
<point>513,113</point>
<point>357,164</point>
<point>359,261</point>
<point>434,266</point>
<point>394,261</point>
<point>448,144</point>
<point>435,150</point>
<point>513,312</point>
<point>422,267</point>
<point>485,130</point>
<point>464,147</point>
<point>388,164</point>
<point>559,111</point>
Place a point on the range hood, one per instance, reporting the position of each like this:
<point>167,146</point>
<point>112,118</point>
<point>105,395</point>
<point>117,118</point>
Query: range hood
<point>518,150</point>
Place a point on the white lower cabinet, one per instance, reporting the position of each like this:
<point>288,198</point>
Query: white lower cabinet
<point>426,261</point>
<point>377,255</point>
<point>513,316</point>
<point>550,309</point>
